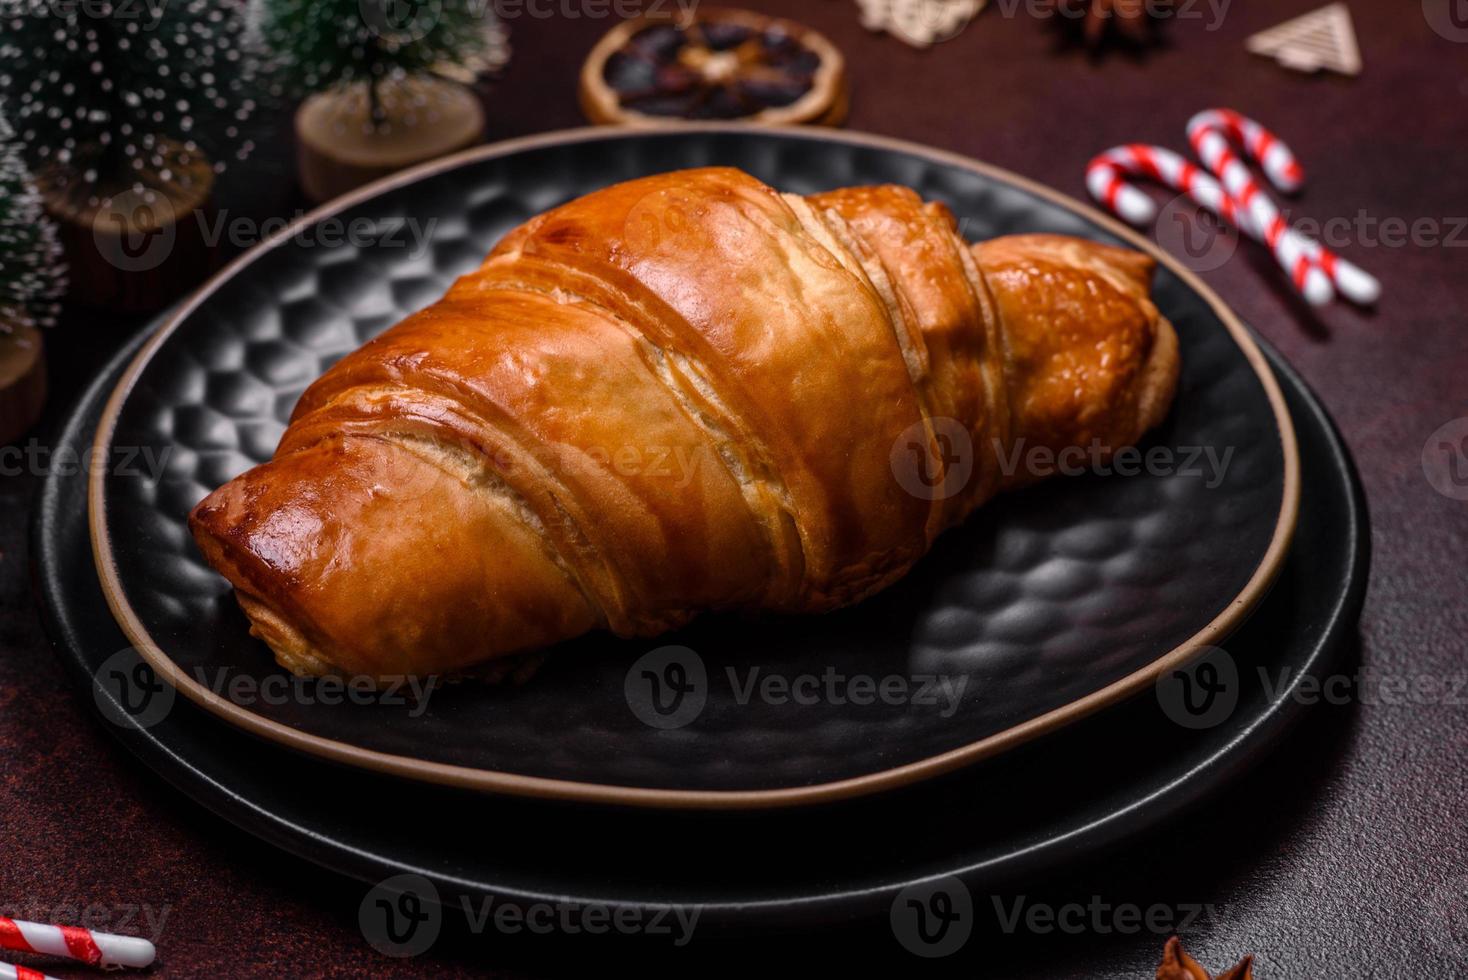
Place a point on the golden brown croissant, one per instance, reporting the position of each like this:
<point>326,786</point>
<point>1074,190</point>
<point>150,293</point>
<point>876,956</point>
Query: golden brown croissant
<point>681,393</point>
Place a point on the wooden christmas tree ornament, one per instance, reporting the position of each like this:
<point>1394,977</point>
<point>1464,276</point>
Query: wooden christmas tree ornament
<point>347,137</point>
<point>920,23</point>
<point>22,381</point>
<point>1323,38</point>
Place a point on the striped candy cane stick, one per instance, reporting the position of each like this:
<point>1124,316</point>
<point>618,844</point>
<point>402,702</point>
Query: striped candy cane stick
<point>1275,159</point>
<point>74,942</point>
<point>1105,182</point>
<point>1359,285</point>
<point>1263,217</point>
<point>11,972</point>
<point>1104,179</point>
<point>1210,141</point>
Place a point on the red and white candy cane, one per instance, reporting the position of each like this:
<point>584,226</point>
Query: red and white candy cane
<point>74,942</point>
<point>1104,181</point>
<point>1275,159</point>
<point>1209,132</point>
<point>10,972</point>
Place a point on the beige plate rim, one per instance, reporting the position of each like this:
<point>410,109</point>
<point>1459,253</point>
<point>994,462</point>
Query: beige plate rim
<point>540,787</point>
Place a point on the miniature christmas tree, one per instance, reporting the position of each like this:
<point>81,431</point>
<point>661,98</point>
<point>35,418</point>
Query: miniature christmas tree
<point>322,44</point>
<point>125,111</point>
<point>108,96</point>
<point>386,79</point>
<point>32,275</point>
<point>32,279</point>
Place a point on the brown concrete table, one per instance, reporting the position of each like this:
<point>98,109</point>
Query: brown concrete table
<point>1343,855</point>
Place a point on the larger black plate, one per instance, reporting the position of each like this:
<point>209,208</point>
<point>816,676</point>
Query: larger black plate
<point>1047,605</point>
<point>1103,780</point>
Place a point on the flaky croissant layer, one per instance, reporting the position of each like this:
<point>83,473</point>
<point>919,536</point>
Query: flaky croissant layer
<point>681,393</point>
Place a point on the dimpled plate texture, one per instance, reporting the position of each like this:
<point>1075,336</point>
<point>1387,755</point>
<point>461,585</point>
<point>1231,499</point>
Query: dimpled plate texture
<point>1042,598</point>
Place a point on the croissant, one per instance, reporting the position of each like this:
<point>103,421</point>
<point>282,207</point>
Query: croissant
<point>682,393</point>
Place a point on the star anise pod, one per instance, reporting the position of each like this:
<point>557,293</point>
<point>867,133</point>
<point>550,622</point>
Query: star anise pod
<point>1093,20</point>
<point>1178,965</point>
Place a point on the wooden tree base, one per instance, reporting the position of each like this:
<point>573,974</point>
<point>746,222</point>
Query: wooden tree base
<point>131,251</point>
<point>339,149</point>
<point>22,381</point>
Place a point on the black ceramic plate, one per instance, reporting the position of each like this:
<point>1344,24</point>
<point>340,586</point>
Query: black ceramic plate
<point>1047,605</point>
<point>1051,802</point>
